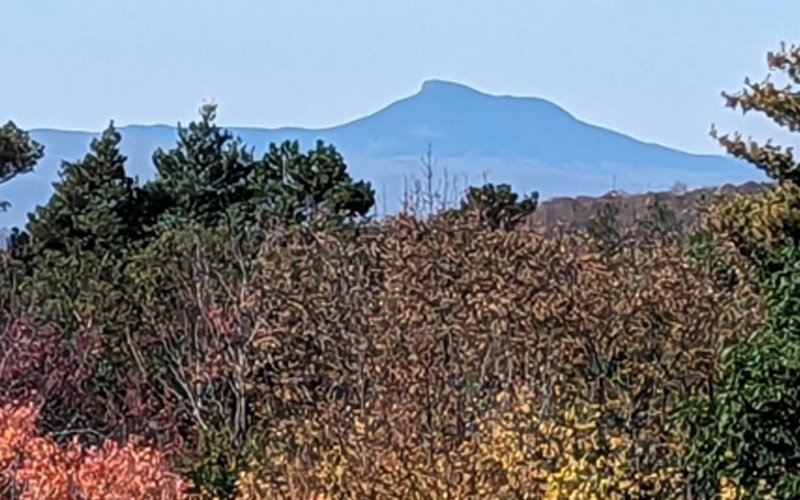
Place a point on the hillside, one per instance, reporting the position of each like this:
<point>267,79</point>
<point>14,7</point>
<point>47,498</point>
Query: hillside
<point>576,212</point>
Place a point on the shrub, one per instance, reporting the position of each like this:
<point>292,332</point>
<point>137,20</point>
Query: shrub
<point>39,469</point>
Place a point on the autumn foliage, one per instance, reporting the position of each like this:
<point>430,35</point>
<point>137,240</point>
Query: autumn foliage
<point>422,359</point>
<point>34,467</point>
<point>444,357</point>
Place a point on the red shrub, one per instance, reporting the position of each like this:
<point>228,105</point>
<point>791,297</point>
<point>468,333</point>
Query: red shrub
<point>41,470</point>
<point>36,362</point>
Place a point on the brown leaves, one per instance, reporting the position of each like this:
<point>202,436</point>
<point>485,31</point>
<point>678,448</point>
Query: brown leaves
<point>427,359</point>
<point>424,342</point>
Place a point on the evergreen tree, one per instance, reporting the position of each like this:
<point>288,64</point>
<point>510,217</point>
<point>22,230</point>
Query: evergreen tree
<point>204,176</point>
<point>604,229</point>
<point>94,206</point>
<point>498,206</point>
<point>296,187</point>
<point>78,251</point>
<point>18,154</point>
<point>211,176</point>
<point>76,244</point>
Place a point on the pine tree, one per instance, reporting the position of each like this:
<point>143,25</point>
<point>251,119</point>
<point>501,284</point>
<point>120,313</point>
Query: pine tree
<point>18,154</point>
<point>95,205</point>
<point>211,177</point>
<point>78,253</point>
<point>204,176</point>
<point>296,187</point>
<point>498,206</point>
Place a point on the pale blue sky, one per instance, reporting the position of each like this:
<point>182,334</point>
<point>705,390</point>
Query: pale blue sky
<point>651,69</point>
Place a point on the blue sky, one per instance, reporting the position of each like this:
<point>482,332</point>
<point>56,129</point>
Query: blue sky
<point>650,69</point>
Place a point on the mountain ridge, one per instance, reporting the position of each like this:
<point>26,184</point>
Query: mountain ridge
<point>529,142</point>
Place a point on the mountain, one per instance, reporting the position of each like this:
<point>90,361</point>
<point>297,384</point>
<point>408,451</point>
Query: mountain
<point>528,142</point>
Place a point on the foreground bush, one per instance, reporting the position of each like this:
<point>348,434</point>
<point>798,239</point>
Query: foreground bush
<point>39,366</point>
<point>36,468</point>
<point>515,453</point>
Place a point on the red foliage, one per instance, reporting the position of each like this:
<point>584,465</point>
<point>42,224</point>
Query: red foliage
<point>37,363</point>
<point>39,469</point>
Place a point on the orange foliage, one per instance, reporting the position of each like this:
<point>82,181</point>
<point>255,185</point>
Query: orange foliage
<point>41,470</point>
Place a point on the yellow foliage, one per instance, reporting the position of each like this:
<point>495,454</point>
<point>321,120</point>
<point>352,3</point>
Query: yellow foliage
<point>480,365</point>
<point>756,222</point>
<point>515,453</point>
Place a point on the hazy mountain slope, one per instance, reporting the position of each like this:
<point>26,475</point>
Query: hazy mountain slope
<point>529,142</point>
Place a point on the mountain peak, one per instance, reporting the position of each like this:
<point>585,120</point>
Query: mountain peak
<point>443,89</point>
<point>462,97</point>
<point>435,85</point>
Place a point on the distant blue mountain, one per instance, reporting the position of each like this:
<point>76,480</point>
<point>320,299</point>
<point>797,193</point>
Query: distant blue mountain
<point>530,143</point>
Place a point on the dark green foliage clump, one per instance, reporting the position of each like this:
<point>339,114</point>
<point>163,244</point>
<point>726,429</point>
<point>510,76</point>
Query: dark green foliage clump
<point>76,243</point>
<point>94,207</point>
<point>210,176</point>
<point>498,206</point>
<point>18,154</point>
<point>749,430</point>
<point>604,229</point>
